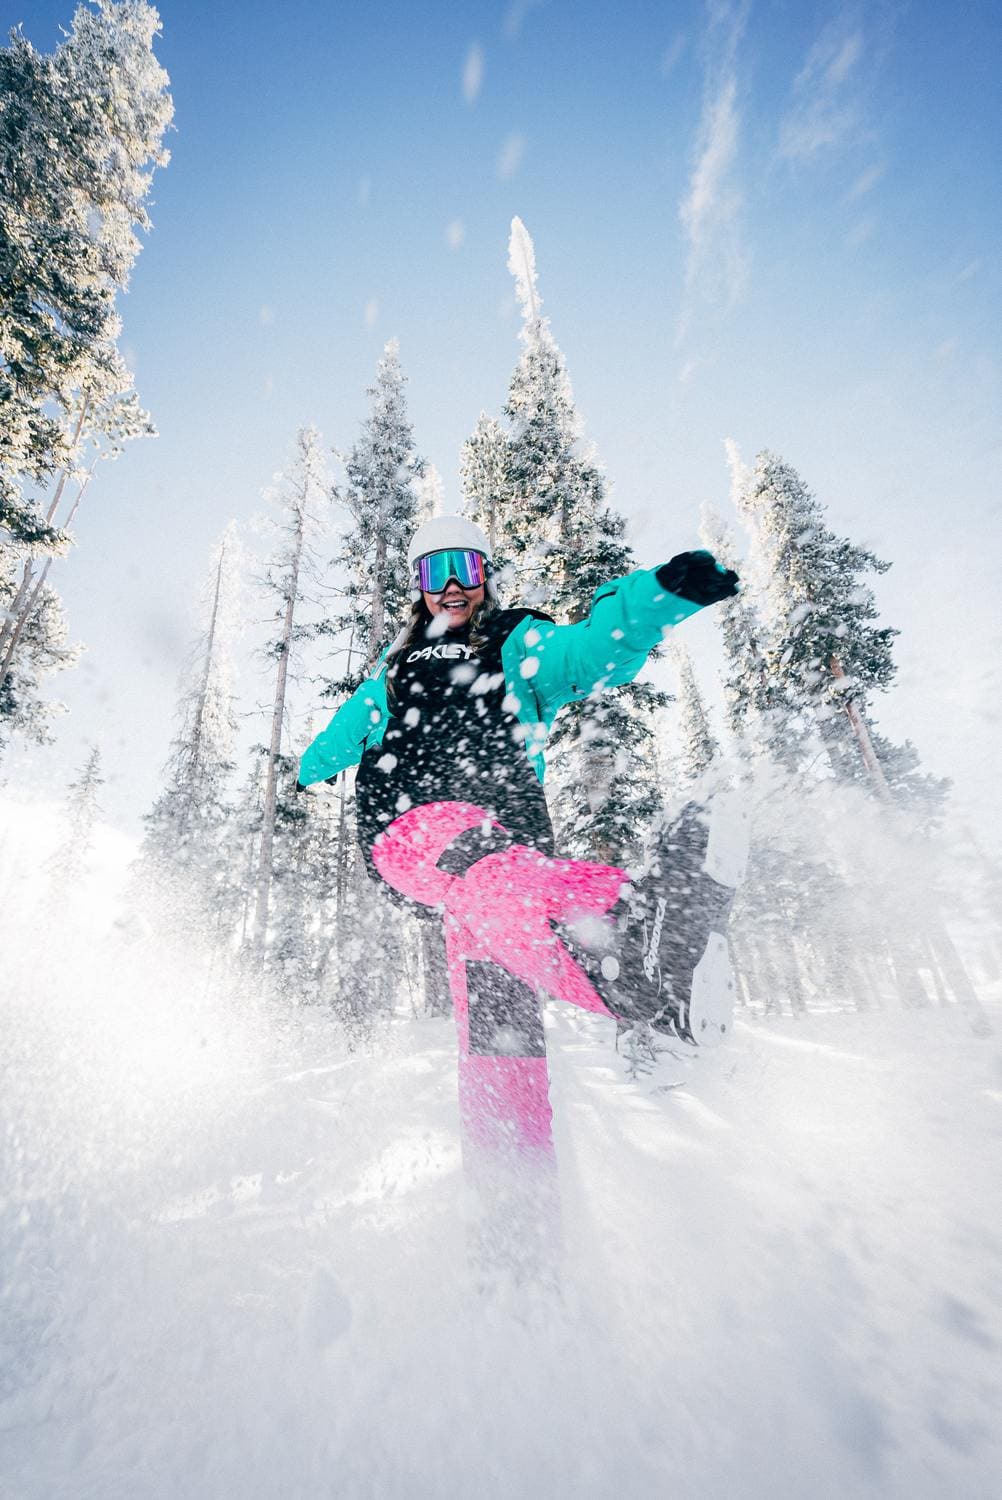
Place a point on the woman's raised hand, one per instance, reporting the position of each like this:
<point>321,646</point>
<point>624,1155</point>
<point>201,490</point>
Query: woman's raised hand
<point>698,576</point>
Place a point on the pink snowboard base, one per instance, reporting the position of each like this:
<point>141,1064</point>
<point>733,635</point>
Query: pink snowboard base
<point>499,912</point>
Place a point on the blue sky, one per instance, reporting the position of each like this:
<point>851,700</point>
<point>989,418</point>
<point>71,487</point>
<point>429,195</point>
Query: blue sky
<point>776,223</point>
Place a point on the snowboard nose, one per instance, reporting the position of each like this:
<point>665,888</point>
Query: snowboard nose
<point>407,853</point>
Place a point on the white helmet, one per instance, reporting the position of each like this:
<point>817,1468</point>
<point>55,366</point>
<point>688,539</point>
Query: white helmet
<point>442,532</point>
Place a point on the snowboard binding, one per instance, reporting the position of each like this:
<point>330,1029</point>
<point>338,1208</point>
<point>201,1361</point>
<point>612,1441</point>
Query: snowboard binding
<point>663,958</point>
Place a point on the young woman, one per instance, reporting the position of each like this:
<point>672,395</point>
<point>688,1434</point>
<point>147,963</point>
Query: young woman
<point>448,736</point>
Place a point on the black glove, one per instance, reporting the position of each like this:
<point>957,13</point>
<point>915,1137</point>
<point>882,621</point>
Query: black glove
<point>698,576</point>
<point>300,787</point>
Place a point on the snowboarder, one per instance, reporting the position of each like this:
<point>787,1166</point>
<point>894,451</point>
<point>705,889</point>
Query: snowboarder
<point>448,736</point>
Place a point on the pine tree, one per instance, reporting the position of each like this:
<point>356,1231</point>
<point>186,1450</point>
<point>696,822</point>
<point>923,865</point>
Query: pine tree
<point>381,500</point>
<point>604,789</point>
<point>241,844</point>
<point>489,487</point>
<point>430,495</point>
<point>80,134</point>
<point>301,497</point>
<point>287,956</point>
<point>788,886</point>
<point>67,867</point>
<point>698,747</point>
<point>306,891</point>
<point>563,541</point>
<point>183,860</point>
<point>549,475</point>
<point>109,416</point>
<point>758,714</point>
<point>825,649</point>
<point>827,657</point>
<point>43,649</point>
<point>388,489</point>
<point>917,792</point>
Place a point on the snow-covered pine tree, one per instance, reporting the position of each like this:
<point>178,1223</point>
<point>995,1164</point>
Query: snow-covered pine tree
<point>43,649</point>
<point>698,747</point>
<point>301,497</point>
<point>67,866</point>
<point>563,541</point>
<point>385,494</point>
<point>80,134</point>
<point>430,495</point>
<point>109,416</point>
<point>923,798</point>
<point>758,715</point>
<point>825,650</point>
<point>604,790</point>
<point>306,887</point>
<point>547,471</point>
<point>293,909</point>
<point>183,863</point>
<point>774,933</point>
<point>241,844</point>
<point>919,793</point>
<point>434,978</point>
<point>489,488</point>
<point>381,499</point>
<point>828,657</point>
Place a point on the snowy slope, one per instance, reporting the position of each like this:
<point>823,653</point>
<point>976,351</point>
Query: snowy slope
<point>235,1261</point>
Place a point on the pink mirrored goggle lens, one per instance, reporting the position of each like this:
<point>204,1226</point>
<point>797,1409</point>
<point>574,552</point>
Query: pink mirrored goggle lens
<point>436,568</point>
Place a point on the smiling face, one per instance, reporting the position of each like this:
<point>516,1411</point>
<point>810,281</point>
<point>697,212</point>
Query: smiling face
<point>459,605</point>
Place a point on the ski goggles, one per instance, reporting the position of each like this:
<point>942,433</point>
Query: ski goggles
<point>435,569</point>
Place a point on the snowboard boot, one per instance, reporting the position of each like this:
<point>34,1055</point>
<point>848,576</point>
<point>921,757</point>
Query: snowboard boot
<point>660,958</point>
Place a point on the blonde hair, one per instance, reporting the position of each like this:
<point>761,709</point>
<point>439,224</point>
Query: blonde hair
<point>417,622</point>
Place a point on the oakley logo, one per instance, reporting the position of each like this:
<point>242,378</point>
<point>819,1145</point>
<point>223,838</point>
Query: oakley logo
<point>452,651</point>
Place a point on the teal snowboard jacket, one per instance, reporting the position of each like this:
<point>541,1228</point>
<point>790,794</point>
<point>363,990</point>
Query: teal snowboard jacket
<point>545,666</point>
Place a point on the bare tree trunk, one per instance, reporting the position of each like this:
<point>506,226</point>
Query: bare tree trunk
<point>51,512</point>
<point>19,611</point>
<point>341,885</point>
<point>911,990</point>
<point>862,734</point>
<point>769,977</point>
<point>378,618</point>
<point>957,978</point>
<point>245,905</point>
<point>798,1002</point>
<point>989,961</point>
<point>932,964</point>
<point>22,615</point>
<point>410,956</point>
<point>341,880</point>
<point>265,860</point>
<point>866,983</point>
<point>15,615</point>
<point>492,510</point>
<point>197,730</point>
<point>437,996</point>
<point>741,960</point>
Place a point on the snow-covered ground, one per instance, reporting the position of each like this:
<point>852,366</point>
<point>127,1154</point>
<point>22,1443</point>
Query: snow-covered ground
<point>234,1257</point>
